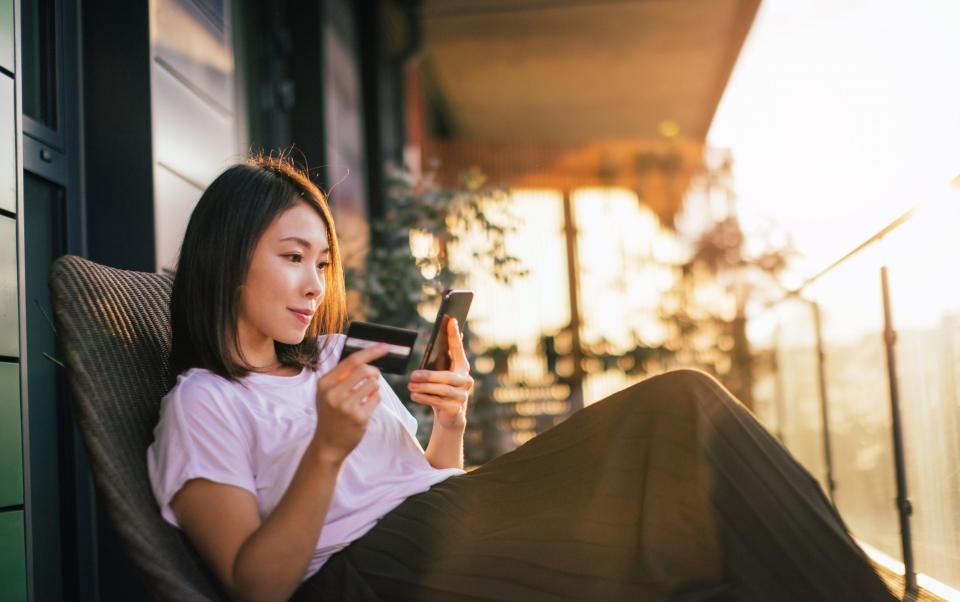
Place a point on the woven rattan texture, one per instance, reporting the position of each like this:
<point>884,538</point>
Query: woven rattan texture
<point>114,330</point>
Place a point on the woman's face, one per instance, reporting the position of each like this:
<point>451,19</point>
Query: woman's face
<point>285,283</point>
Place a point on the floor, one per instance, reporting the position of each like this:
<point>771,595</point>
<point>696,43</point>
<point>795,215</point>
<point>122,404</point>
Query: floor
<point>895,583</point>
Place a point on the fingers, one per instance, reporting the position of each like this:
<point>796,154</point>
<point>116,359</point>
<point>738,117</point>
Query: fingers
<point>454,379</point>
<point>363,381</point>
<point>447,391</point>
<point>367,400</point>
<point>343,371</point>
<point>458,355</point>
<point>354,406</point>
<point>439,403</point>
<point>353,381</point>
<point>344,381</point>
<point>440,390</point>
<point>365,356</point>
<point>359,358</point>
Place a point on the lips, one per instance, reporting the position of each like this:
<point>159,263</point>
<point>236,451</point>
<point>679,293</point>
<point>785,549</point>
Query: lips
<point>304,315</point>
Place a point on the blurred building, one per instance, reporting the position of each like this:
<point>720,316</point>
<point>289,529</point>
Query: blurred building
<point>593,114</point>
<point>115,116</point>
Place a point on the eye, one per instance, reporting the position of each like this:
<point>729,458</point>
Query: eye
<point>323,265</point>
<point>295,257</point>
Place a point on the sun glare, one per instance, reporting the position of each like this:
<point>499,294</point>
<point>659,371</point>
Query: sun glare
<point>841,117</point>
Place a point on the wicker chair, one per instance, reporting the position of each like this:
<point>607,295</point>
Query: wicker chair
<point>114,329</point>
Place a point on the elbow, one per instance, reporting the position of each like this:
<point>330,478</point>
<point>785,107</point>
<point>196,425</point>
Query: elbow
<point>247,587</point>
<point>441,463</point>
<point>247,594</point>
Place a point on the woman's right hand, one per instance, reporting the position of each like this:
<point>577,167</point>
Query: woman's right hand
<point>266,559</point>
<point>346,398</point>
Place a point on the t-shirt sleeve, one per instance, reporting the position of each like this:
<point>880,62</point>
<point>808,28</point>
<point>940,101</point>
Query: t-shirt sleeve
<point>393,403</point>
<point>199,435</point>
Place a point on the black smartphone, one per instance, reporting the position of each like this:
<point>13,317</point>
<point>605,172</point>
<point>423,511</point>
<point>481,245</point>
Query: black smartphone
<point>453,305</point>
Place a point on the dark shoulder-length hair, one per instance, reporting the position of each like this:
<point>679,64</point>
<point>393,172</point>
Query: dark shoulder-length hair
<point>215,255</point>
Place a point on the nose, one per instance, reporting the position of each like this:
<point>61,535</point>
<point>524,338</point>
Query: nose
<point>315,284</point>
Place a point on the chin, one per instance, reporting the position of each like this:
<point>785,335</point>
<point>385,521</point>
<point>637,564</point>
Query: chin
<point>291,338</point>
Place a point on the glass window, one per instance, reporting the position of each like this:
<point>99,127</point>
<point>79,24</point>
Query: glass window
<point>38,30</point>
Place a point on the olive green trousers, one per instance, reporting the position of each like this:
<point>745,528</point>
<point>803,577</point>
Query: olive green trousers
<point>667,490</point>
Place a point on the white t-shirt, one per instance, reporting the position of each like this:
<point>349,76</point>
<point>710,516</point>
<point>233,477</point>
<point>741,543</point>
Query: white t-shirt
<point>254,438</point>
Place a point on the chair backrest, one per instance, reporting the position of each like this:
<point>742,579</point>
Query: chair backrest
<point>114,330</point>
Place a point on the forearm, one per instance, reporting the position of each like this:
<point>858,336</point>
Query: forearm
<point>445,449</point>
<point>272,561</point>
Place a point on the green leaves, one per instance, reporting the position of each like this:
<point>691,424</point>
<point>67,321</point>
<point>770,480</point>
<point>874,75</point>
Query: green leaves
<point>455,231</point>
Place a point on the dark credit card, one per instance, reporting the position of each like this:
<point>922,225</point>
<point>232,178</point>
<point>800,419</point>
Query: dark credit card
<point>361,335</point>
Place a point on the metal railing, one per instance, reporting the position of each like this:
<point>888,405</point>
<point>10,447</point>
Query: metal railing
<point>818,394</point>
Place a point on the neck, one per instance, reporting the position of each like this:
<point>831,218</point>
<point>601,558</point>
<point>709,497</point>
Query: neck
<point>280,370</point>
<point>259,355</point>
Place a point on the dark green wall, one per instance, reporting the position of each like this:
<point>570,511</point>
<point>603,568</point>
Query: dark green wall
<point>13,566</point>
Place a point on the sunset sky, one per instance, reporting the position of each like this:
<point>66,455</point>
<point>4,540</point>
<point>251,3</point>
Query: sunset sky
<point>841,115</point>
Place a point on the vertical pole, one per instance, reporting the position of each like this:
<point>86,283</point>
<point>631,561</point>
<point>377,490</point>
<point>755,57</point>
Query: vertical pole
<point>570,234</point>
<point>904,507</point>
<point>824,401</point>
<point>778,399</point>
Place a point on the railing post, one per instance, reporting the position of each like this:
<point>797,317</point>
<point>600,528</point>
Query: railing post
<point>573,283</point>
<point>904,507</point>
<point>824,403</point>
<point>778,398</point>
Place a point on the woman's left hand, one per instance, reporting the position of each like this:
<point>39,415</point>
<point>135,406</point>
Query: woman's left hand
<point>446,391</point>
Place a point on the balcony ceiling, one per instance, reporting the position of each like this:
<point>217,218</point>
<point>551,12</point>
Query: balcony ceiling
<point>570,71</point>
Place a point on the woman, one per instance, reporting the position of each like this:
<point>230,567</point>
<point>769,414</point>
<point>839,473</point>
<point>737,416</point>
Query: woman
<point>296,476</point>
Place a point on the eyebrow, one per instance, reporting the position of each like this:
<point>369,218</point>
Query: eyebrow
<point>304,242</point>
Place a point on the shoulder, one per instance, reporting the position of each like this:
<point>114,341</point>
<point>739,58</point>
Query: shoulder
<point>200,392</point>
<point>201,383</point>
<point>329,347</point>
